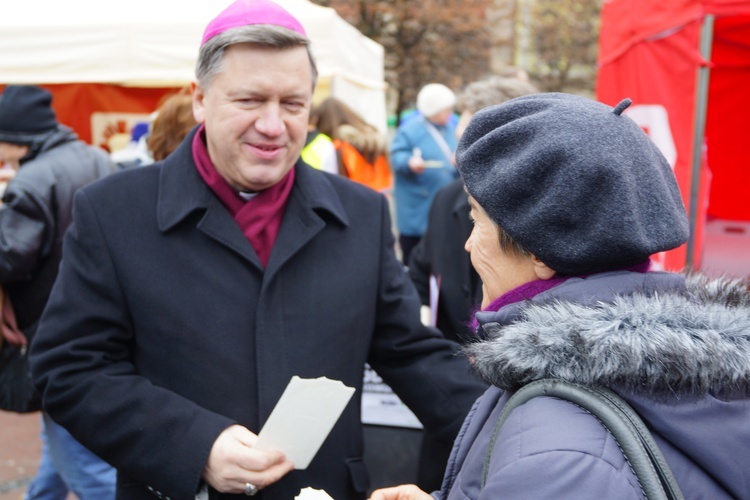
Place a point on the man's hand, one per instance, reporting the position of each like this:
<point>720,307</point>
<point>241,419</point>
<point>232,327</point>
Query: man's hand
<point>6,174</point>
<point>233,462</point>
<point>416,164</point>
<point>403,492</point>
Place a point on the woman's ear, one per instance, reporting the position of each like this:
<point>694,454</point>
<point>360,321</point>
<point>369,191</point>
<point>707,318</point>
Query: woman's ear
<point>542,270</point>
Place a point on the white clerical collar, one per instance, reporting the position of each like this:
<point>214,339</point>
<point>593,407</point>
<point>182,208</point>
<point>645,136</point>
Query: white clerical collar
<point>248,196</point>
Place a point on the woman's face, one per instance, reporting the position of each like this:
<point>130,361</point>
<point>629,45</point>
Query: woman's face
<point>442,117</point>
<point>500,272</point>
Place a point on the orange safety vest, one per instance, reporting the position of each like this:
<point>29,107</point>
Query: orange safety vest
<point>377,176</point>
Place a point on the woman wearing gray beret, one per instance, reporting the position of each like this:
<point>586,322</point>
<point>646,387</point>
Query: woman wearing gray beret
<point>569,200</point>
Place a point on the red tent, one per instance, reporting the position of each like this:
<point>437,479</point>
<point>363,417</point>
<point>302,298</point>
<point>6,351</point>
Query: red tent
<point>685,64</point>
<point>77,104</point>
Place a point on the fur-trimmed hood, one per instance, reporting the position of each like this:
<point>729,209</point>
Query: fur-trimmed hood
<point>662,334</point>
<point>370,144</point>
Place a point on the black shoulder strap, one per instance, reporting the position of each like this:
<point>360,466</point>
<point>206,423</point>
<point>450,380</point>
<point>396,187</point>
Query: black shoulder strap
<point>635,440</point>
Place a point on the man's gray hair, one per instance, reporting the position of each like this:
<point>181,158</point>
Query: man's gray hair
<point>211,55</point>
<point>495,90</point>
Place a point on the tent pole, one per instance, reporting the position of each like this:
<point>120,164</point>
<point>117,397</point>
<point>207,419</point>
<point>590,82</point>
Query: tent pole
<point>701,104</point>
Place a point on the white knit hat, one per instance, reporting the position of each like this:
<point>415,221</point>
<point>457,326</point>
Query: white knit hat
<point>434,98</point>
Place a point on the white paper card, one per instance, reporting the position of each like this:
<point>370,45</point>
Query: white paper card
<point>312,494</point>
<point>303,418</point>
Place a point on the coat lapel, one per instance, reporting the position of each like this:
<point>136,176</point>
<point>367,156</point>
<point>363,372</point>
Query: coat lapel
<point>182,191</point>
<point>312,194</point>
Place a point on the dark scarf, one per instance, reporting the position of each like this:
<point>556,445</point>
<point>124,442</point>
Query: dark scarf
<point>260,217</point>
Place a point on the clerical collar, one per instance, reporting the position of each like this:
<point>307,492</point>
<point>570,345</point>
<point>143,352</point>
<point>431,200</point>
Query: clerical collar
<point>247,196</point>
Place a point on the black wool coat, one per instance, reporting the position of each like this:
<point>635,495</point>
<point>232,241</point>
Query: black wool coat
<point>441,253</point>
<point>163,329</point>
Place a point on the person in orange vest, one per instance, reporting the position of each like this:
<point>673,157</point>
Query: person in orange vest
<point>361,148</point>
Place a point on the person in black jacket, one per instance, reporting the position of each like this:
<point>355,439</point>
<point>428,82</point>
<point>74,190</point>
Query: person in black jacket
<point>37,204</point>
<point>440,267</point>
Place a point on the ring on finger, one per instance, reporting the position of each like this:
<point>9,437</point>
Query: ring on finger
<point>250,489</point>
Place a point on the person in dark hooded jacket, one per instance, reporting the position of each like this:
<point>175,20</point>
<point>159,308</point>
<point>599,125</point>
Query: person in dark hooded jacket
<point>51,164</point>
<point>569,199</point>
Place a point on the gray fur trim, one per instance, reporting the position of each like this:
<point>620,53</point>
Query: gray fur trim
<point>663,344</point>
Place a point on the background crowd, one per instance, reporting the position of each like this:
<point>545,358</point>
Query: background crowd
<point>240,190</point>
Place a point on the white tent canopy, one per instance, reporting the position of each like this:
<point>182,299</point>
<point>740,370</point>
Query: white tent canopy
<point>154,43</point>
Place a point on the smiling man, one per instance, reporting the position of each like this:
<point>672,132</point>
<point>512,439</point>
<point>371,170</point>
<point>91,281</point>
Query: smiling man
<point>256,120</point>
<point>191,291</point>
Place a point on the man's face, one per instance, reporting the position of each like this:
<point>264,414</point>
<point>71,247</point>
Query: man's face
<point>12,154</point>
<point>255,111</point>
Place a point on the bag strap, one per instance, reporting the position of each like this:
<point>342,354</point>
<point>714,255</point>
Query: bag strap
<point>619,418</point>
<point>440,140</point>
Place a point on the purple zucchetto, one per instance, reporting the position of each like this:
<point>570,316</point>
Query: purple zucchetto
<point>249,12</point>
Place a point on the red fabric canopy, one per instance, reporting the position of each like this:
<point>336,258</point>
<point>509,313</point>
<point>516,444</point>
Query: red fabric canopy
<point>77,105</point>
<point>650,52</point>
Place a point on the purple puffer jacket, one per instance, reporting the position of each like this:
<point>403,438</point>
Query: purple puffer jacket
<point>678,352</point>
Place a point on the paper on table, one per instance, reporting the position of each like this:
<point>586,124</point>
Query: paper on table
<point>303,417</point>
<point>312,494</point>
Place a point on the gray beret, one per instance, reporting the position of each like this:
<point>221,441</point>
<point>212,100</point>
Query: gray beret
<point>573,181</point>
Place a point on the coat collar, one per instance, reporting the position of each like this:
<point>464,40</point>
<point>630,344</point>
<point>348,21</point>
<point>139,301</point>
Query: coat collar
<point>47,141</point>
<point>182,190</point>
<point>316,189</point>
<point>662,336</point>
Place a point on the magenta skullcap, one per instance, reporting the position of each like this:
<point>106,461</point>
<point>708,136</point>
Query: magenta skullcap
<point>247,12</point>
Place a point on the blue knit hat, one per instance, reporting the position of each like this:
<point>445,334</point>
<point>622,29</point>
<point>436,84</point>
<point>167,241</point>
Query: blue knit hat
<point>25,113</point>
<point>573,181</point>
